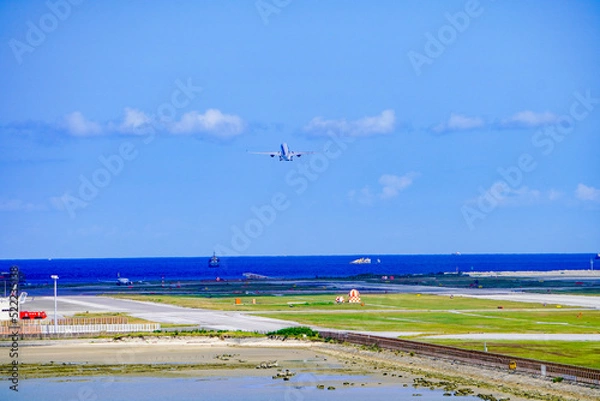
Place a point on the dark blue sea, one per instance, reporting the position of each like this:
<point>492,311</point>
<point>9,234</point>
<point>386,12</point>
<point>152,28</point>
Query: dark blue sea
<point>79,271</point>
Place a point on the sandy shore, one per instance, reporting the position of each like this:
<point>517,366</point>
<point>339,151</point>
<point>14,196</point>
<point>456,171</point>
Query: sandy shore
<point>203,356</point>
<point>541,274</point>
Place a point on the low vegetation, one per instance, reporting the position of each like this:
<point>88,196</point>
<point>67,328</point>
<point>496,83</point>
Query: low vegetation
<point>427,323</point>
<point>578,353</point>
<point>190,333</point>
<point>420,316</point>
<point>295,332</point>
<point>130,319</point>
<point>73,370</point>
<point>326,302</point>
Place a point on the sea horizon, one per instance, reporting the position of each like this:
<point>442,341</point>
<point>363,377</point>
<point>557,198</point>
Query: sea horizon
<point>365,254</point>
<point>146,269</point>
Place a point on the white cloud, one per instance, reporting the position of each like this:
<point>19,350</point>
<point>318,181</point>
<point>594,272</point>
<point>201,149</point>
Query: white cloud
<point>501,194</point>
<point>367,126</point>
<point>77,125</point>
<point>554,195</point>
<point>364,196</point>
<point>133,122</point>
<point>522,119</point>
<point>521,196</point>
<point>585,193</point>
<point>212,122</point>
<point>529,119</point>
<point>459,122</point>
<point>17,205</point>
<point>393,184</point>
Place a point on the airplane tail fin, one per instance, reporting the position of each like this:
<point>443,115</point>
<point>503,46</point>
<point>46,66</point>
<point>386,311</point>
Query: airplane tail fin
<point>22,298</point>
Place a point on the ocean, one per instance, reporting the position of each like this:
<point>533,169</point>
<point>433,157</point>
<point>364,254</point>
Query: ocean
<point>80,271</point>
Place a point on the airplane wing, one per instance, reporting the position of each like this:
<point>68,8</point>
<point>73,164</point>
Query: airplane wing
<point>272,154</point>
<point>298,154</point>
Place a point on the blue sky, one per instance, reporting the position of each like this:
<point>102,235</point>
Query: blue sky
<point>440,126</point>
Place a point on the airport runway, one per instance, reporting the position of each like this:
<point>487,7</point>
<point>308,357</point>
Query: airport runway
<point>161,313</point>
<point>519,336</point>
<point>221,320</point>
<point>549,298</point>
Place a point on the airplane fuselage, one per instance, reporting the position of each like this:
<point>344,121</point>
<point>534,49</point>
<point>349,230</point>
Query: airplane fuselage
<point>285,153</point>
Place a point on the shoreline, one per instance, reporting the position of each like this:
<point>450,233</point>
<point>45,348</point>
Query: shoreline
<point>214,357</point>
<point>563,273</point>
<point>556,273</point>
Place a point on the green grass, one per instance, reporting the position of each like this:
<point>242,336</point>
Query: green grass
<point>74,370</point>
<point>326,302</point>
<point>130,319</point>
<point>451,322</point>
<point>579,353</point>
<point>191,333</point>
<point>428,315</point>
<point>296,332</point>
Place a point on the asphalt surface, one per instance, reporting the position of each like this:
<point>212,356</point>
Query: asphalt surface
<point>549,298</point>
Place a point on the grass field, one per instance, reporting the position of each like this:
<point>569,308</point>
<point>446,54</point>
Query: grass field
<point>379,302</point>
<point>455,322</point>
<point>581,353</point>
<point>130,319</point>
<point>427,315</point>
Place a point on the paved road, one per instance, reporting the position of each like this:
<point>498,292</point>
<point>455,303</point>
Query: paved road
<point>550,299</point>
<point>161,313</point>
<point>478,336</point>
<point>518,336</point>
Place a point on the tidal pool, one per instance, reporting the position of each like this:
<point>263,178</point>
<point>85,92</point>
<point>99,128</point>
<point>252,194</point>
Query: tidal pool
<point>218,388</point>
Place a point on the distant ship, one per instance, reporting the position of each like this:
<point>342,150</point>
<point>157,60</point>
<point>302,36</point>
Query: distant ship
<point>254,276</point>
<point>213,261</point>
<point>361,261</point>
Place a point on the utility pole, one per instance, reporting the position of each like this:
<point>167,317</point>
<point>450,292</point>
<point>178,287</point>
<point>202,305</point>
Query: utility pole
<point>55,278</point>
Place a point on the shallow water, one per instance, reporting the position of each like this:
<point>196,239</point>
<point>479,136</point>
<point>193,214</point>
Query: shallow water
<point>134,388</point>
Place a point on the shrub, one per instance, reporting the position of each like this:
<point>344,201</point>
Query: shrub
<point>295,332</point>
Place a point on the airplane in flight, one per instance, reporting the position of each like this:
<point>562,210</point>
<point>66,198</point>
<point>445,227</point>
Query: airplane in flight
<point>284,153</point>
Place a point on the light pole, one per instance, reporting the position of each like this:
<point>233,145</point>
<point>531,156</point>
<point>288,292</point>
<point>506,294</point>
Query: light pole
<point>55,278</point>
